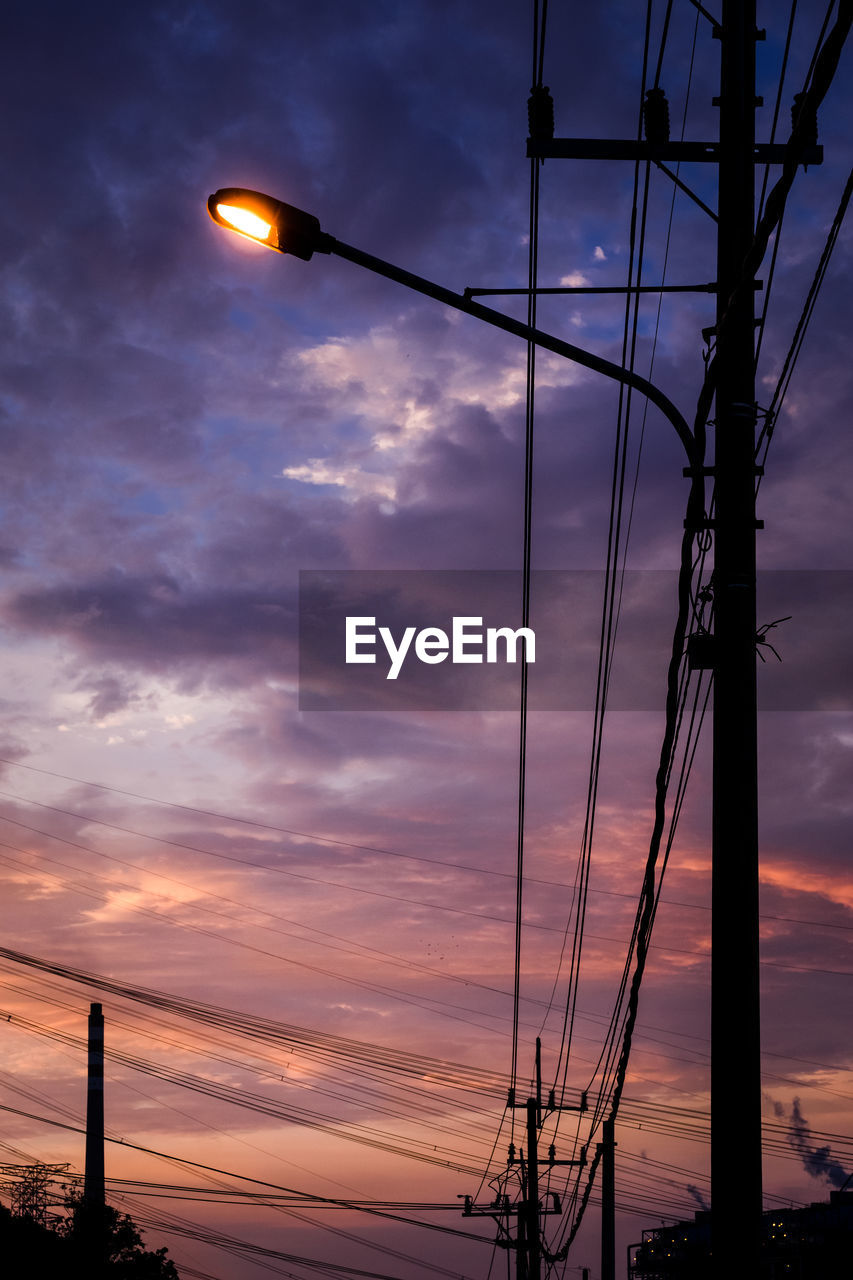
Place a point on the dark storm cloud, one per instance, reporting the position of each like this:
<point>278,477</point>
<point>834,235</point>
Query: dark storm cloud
<point>154,624</point>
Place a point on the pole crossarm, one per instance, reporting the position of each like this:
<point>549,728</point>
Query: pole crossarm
<point>634,149</point>
<point>460,302</point>
<point>709,286</point>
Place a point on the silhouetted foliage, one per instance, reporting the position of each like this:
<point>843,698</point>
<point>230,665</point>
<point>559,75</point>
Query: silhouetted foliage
<point>30,1249</point>
<point>101,1245</point>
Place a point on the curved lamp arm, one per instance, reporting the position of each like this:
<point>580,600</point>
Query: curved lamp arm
<point>286,229</point>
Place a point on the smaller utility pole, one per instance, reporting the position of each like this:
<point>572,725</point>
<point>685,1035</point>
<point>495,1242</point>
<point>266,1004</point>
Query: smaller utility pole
<point>608,1201</point>
<point>529,1210</point>
<point>534,1252</point>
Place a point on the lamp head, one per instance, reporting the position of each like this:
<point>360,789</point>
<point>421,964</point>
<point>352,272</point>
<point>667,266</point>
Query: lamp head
<point>271,222</point>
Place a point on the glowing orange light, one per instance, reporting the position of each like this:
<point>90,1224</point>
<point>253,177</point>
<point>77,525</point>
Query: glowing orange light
<point>248,224</point>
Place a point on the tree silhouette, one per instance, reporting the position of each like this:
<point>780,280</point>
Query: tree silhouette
<point>108,1244</point>
<point>101,1244</point>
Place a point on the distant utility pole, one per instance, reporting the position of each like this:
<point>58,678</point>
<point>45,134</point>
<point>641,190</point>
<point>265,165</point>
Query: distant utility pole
<point>529,1210</point>
<point>608,1201</point>
<point>93,1181</point>
<point>735,1012</point>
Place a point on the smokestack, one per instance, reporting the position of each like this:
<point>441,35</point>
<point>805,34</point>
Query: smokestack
<point>93,1184</point>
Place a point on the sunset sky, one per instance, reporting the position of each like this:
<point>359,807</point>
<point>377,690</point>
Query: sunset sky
<point>189,423</point>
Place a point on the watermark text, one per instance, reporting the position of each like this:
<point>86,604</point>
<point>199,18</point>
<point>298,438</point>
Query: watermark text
<point>466,643</point>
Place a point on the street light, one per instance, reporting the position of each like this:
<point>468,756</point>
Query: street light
<point>271,222</point>
<point>286,229</point>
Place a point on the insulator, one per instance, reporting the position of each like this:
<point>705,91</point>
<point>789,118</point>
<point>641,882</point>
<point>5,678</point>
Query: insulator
<point>540,112</point>
<point>656,117</point>
<point>806,125</point>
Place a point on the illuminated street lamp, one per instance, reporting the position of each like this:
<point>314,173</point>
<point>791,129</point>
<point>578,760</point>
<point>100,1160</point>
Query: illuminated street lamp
<point>286,229</point>
<point>271,222</point>
<point>729,382</point>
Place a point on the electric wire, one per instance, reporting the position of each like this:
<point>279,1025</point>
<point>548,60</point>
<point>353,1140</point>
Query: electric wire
<point>455,865</point>
<point>632,945</point>
<point>432,1004</point>
<point>345,1128</point>
<point>527,547</point>
<point>269,1031</point>
<point>792,355</point>
<point>825,65</point>
<point>759,334</point>
<point>277,1197</point>
<point>607,633</point>
<point>682,694</point>
<point>331,940</point>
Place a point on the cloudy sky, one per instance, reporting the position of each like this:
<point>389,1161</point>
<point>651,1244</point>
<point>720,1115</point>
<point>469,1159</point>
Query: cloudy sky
<point>193,803</point>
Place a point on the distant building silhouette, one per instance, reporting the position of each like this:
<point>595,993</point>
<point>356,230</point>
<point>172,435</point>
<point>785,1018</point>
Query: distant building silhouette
<point>813,1243</point>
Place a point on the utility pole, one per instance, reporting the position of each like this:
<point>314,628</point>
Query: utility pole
<point>735,1009</point>
<point>534,1252</point>
<point>735,1013</point>
<point>529,1209</point>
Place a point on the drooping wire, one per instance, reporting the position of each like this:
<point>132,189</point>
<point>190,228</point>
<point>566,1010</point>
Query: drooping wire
<point>821,75</point>
<point>825,65</point>
<point>793,352</point>
<point>777,239</point>
<point>619,547</point>
<point>537,87</point>
<point>663,40</point>
<point>778,104</point>
<point>642,928</point>
<point>633,347</point>
<point>759,336</point>
<point>607,632</point>
<point>650,890</point>
<point>609,618</point>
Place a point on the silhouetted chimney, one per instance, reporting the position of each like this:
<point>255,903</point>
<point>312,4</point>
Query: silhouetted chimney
<point>93,1185</point>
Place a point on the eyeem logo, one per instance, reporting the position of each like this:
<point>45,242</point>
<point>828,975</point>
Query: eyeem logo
<point>432,645</point>
<point>428,654</point>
